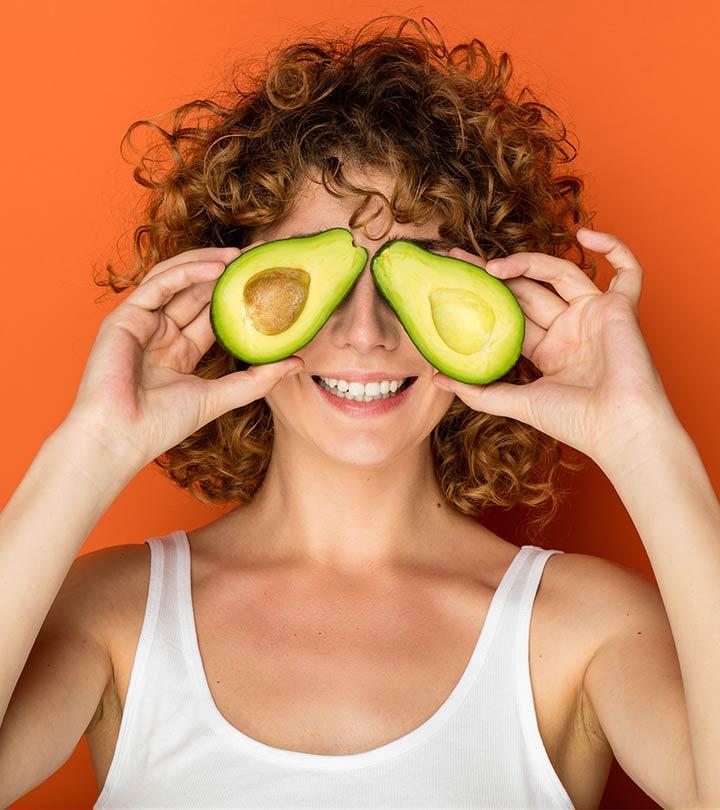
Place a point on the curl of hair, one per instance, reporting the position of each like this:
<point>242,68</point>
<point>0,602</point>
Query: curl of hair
<point>460,144</point>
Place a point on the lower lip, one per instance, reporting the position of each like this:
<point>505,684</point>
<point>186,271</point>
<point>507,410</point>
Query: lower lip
<point>374,408</point>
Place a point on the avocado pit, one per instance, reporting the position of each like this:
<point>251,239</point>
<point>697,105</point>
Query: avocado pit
<point>275,297</point>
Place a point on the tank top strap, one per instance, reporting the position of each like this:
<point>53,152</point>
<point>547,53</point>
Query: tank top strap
<point>517,666</point>
<point>168,558</point>
<point>516,596</point>
<point>164,595</point>
<point>524,589</point>
<point>151,701</point>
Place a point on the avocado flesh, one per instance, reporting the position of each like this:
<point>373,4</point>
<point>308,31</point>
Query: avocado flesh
<point>463,320</point>
<point>274,298</point>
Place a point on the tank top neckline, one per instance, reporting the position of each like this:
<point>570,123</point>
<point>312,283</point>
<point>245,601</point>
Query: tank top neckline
<point>285,756</point>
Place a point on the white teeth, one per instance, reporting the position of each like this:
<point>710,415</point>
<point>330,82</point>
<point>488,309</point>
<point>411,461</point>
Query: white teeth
<point>371,389</point>
<point>360,392</point>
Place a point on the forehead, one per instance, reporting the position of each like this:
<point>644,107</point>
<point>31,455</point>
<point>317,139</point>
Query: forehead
<point>315,209</point>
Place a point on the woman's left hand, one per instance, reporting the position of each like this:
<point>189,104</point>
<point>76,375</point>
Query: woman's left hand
<point>599,385</point>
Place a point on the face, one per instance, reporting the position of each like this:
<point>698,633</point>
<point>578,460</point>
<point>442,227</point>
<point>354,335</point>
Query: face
<point>363,338</point>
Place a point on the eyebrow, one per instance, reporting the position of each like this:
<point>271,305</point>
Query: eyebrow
<point>428,244</point>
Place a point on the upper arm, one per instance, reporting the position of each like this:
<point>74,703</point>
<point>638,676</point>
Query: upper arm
<point>633,682</point>
<point>61,685</point>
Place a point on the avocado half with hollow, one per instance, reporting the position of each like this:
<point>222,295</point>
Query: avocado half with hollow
<point>463,320</point>
<point>274,298</point>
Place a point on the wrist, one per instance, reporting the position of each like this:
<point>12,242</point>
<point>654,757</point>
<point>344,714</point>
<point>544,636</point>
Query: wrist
<point>70,483</point>
<point>635,433</point>
<point>96,448</point>
<point>654,440</point>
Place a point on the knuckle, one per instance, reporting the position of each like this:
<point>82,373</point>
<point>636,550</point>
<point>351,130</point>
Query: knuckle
<point>166,290</point>
<point>127,314</point>
<point>154,271</point>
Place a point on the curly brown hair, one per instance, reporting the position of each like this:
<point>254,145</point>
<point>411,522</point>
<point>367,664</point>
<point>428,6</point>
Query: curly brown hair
<point>460,144</point>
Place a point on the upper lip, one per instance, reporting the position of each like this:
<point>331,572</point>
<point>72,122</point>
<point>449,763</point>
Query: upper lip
<point>358,375</point>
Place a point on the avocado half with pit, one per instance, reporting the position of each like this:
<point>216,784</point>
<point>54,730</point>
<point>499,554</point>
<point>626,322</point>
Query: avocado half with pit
<point>274,298</point>
<point>464,321</point>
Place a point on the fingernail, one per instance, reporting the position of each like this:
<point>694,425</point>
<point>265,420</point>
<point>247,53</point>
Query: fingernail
<point>442,382</point>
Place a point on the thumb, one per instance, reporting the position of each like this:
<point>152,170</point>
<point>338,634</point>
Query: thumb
<point>497,398</point>
<point>242,387</point>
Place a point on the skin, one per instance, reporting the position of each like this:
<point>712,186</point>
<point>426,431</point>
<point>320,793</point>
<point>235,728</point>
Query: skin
<point>349,560</point>
<point>324,500</point>
<point>392,586</point>
<point>321,570</point>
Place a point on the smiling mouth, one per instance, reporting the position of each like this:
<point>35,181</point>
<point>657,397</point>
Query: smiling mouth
<point>408,382</point>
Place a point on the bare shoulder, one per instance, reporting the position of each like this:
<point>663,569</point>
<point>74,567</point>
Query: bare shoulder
<point>632,669</point>
<point>594,600</point>
<point>596,603</point>
<point>101,587</point>
<point>114,581</point>
<point>114,578</point>
<point>603,596</point>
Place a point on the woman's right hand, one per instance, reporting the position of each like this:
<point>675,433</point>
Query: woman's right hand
<point>138,389</point>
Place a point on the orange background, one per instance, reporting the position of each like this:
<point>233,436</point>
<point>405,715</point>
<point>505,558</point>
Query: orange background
<point>636,82</point>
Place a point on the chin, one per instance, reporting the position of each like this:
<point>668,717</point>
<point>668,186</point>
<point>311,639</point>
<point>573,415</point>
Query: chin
<point>364,448</point>
<point>365,456</point>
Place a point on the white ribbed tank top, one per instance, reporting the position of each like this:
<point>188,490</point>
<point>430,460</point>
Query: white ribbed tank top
<point>480,749</point>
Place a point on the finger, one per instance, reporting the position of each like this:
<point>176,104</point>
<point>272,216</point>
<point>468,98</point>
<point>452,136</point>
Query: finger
<point>497,398</point>
<point>568,279</point>
<point>199,330</point>
<point>242,387</point>
<point>160,289</point>
<point>207,254</point>
<point>628,279</point>
<point>186,305</point>
<point>534,335</point>
<point>540,304</point>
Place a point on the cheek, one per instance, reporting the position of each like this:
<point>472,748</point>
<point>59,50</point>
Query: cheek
<point>284,397</point>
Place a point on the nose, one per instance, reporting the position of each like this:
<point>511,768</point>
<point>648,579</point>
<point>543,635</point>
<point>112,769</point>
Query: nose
<point>364,320</point>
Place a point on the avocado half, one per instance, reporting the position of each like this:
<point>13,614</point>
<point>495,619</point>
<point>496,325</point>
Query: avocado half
<point>274,298</point>
<point>464,321</point>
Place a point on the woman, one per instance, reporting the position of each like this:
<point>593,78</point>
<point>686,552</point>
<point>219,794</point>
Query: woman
<point>350,636</point>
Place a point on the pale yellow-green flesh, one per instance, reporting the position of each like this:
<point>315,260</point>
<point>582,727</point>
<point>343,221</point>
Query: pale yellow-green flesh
<point>464,321</point>
<point>333,263</point>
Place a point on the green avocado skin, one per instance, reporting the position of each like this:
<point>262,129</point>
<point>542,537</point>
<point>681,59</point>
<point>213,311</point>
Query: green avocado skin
<point>399,269</point>
<point>323,252</point>
<point>507,350</point>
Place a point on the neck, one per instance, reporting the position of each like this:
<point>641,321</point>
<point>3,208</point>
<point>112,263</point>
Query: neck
<point>331,515</point>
